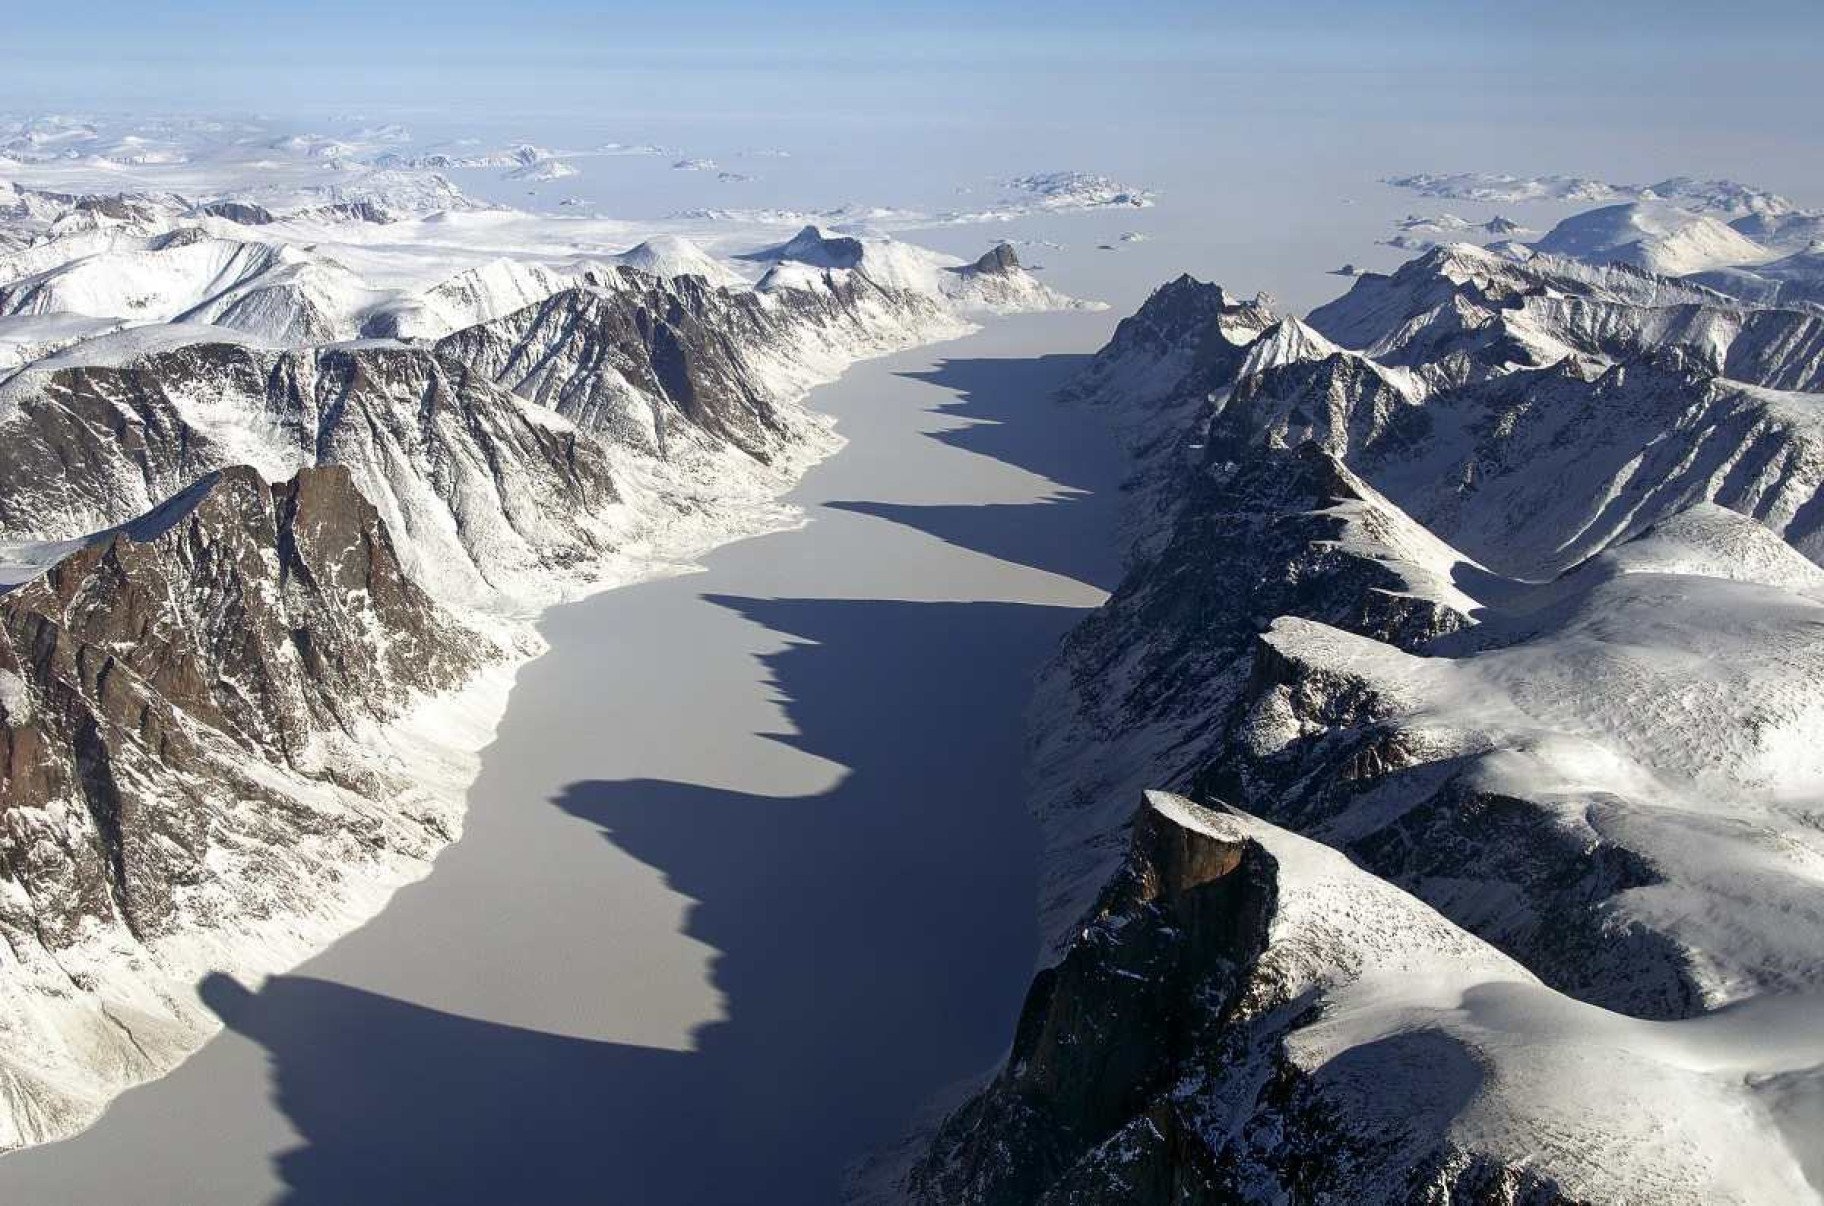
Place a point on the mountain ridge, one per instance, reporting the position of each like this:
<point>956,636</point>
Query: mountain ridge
<point>1490,583</point>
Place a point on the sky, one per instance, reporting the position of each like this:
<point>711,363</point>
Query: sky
<point>557,53</point>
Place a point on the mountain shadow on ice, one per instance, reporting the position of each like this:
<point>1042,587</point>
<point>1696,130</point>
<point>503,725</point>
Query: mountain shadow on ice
<point>1000,398</point>
<point>860,931</point>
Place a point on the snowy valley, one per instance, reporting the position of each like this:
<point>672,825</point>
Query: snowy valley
<point>1424,802</point>
<point>281,490</point>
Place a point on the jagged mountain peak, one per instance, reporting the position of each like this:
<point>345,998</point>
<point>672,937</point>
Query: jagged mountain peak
<point>812,247</point>
<point>998,260</point>
<point>1184,324</point>
<point>1288,341</point>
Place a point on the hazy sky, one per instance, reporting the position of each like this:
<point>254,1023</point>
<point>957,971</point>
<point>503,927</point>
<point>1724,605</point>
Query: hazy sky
<point>554,53</point>
<point>1164,90</point>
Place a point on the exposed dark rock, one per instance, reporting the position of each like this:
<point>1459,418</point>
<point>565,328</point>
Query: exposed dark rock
<point>1296,519</point>
<point>811,246</point>
<point>239,621</point>
<point>205,757</point>
<point>1104,1035</point>
<point>1150,1063</point>
<point>244,212</point>
<point>643,361</point>
<point>1001,259</point>
<point>92,446</point>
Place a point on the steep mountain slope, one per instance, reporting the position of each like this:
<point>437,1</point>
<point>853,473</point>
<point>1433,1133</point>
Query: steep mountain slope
<point>210,754</point>
<point>472,296</point>
<point>643,361</point>
<point>484,490</point>
<point>662,376</point>
<point>279,292</point>
<point>1498,583</point>
<point>1609,398</point>
<point>1247,1016</point>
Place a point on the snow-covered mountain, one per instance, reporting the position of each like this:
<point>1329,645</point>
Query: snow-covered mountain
<point>1715,196</point>
<point>1480,614</point>
<point>814,261</point>
<point>1762,257</point>
<point>1661,238</point>
<point>1734,238</point>
<point>280,491</point>
<point>228,729</point>
<point>671,255</point>
<point>1249,1016</point>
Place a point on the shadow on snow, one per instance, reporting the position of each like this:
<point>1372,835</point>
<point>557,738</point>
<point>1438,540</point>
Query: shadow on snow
<point>874,942</point>
<point>1004,398</point>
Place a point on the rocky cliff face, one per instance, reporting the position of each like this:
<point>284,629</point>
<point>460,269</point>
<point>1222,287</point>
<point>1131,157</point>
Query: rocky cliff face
<point>479,485</point>
<point>187,731</point>
<point>1160,674</point>
<point>1492,581</point>
<point>268,611</point>
<point>503,455</point>
<point>657,364</point>
<point>643,362</point>
<point>1246,1016</point>
<point>1106,1032</point>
